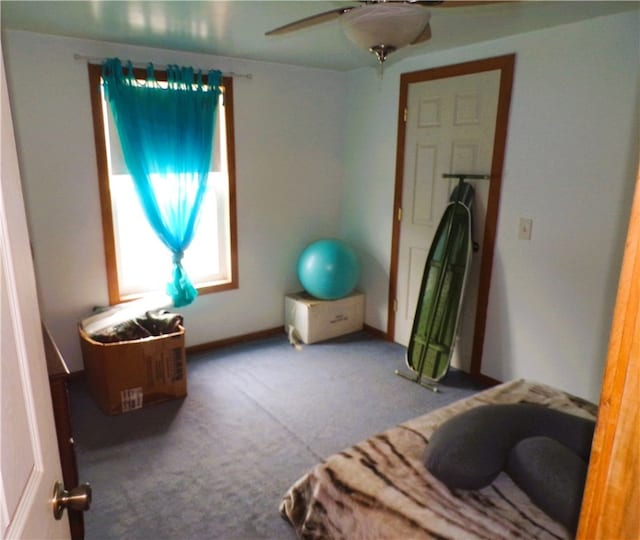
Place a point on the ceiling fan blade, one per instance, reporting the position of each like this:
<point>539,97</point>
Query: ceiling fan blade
<point>438,3</point>
<point>425,35</point>
<point>309,21</point>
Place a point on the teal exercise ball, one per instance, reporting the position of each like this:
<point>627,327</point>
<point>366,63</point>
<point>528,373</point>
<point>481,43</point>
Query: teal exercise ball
<point>328,269</point>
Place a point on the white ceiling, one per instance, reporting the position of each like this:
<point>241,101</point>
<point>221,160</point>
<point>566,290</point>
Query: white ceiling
<point>236,28</point>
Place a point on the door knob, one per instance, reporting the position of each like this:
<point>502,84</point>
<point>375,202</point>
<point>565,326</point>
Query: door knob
<point>79,498</point>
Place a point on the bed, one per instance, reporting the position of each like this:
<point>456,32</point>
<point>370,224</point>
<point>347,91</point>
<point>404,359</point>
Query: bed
<point>380,489</point>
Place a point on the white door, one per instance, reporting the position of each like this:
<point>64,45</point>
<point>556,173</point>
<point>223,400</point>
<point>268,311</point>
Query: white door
<point>450,127</point>
<point>29,458</point>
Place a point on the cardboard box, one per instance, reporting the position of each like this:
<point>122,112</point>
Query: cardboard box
<point>127,375</point>
<point>316,320</point>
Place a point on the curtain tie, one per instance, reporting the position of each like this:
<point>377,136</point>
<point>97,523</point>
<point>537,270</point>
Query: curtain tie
<point>177,257</point>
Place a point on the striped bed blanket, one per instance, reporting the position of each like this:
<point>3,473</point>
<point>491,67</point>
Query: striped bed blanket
<point>380,489</point>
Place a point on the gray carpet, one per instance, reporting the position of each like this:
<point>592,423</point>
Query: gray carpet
<point>258,415</point>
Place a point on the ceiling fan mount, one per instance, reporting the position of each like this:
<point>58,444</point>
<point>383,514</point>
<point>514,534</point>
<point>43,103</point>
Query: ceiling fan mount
<point>382,51</point>
<point>380,26</point>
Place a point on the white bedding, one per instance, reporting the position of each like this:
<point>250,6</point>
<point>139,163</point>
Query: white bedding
<point>380,489</point>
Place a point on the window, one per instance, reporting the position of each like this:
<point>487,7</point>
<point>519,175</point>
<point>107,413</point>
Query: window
<point>137,261</point>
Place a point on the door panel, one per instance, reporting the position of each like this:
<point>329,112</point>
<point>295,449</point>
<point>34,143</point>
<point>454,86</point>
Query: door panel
<point>29,459</point>
<point>16,445</point>
<point>450,128</point>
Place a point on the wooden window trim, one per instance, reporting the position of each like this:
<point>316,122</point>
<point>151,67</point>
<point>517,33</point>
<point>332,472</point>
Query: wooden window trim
<point>95,73</point>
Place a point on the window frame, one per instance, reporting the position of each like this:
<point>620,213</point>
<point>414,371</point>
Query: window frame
<point>115,297</point>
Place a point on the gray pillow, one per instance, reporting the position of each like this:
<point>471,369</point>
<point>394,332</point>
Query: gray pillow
<point>469,450</point>
<point>551,475</point>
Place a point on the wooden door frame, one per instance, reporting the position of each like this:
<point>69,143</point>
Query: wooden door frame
<point>612,487</point>
<point>505,64</point>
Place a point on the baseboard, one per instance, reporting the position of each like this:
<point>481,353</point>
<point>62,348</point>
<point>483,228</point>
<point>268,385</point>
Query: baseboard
<point>211,345</point>
<point>377,333</point>
<point>485,379</point>
<point>235,340</point>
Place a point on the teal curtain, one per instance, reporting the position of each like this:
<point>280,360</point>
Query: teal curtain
<point>166,133</point>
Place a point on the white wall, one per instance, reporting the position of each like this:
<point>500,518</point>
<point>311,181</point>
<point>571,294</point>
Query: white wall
<point>289,139</point>
<point>316,157</point>
<point>571,161</point>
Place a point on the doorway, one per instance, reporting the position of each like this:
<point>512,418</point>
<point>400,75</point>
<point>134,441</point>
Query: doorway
<point>452,117</point>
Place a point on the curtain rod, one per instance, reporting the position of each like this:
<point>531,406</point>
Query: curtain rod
<point>95,59</point>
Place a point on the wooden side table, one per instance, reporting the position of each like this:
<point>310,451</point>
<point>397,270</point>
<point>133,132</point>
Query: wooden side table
<point>58,381</point>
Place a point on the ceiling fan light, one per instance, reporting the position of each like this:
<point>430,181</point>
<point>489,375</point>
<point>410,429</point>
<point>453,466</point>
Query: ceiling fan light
<point>389,25</point>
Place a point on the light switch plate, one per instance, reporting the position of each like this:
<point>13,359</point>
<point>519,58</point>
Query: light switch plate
<point>524,228</point>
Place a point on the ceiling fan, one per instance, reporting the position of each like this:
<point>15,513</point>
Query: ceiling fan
<point>380,26</point>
